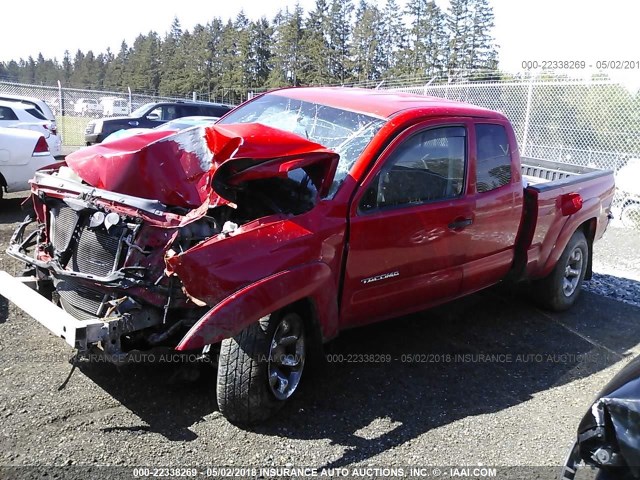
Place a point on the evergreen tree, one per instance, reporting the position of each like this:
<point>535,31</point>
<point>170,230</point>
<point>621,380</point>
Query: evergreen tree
<point>366,46</point>
<point>261,38</point>
<point>215,30</point>
<point>79,74</point>
<point>287,50</point>
<point>340,12</point>
<point>428,38</point>
<point>393,37</point>
<point>315,50</point>
<point>13,71</point>
<point>143,63</point>
<point>115,71</point>
<point>67,67</point>
<point>333,44</point>
<point>459,27</point>
<point>245,69</point>
<point>483,53</point>
<point>171,65</point>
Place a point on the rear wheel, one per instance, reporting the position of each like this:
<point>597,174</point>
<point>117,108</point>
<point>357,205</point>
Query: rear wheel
<point>260,368</point>
<point>561,288</point>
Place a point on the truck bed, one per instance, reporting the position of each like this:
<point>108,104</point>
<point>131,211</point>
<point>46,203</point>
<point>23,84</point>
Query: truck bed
<point>546,174</point>
<point>546,185</point>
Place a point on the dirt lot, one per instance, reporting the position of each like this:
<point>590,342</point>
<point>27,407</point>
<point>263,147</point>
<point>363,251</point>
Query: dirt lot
<point>495,381</point>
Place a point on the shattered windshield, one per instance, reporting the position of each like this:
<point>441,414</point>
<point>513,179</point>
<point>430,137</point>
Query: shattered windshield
<point>346,133</point>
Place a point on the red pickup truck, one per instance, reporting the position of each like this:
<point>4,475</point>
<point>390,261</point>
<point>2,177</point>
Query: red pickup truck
<point>301,213</point>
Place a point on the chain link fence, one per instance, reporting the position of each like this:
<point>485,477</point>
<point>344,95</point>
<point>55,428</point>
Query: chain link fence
<point>587,123</point>
<point>74,107</point>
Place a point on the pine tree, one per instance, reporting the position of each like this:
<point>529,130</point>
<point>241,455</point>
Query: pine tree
<point>287,59</point>
<point>459,27</point>
<point>261,38</point>
<point>366,46</point>
<point>393,41</point>
<point>340,12</point>
<point>471,45</point>
<point>315,50</point>
<point>215,30</point>
<point>115,70</point>
<point>428,38</point>
<point>171,65</point>
<point>483,52</point>
<point>245,69</point>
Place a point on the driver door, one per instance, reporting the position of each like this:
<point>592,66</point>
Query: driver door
<point>407,236</point>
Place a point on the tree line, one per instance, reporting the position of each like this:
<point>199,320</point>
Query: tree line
<point>337,42</point>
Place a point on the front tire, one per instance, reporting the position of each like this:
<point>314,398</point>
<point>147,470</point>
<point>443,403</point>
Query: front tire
<point>260,368</point>
<point>561,288</point>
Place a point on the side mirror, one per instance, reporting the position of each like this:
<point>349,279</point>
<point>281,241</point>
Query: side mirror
<point>153,116</point>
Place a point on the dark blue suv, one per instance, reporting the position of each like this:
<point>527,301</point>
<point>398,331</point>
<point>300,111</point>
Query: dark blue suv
<point>151,115</point>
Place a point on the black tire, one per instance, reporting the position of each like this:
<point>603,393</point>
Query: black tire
<point>551,292</point>
<point>245,394</point>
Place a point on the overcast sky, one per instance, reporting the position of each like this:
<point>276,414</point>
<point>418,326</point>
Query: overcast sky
<point>525,29</point>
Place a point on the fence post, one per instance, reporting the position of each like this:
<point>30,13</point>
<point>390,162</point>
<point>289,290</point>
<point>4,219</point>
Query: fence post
<point>61,110</point>
<point>130,106</point>
<point>527,114</point>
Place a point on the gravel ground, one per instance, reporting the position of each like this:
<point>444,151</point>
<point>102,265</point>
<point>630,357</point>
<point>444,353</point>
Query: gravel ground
<point>504,384</point>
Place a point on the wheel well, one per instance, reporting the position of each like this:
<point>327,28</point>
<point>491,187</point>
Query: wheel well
<point>589,230</point>
<point>306,308</point>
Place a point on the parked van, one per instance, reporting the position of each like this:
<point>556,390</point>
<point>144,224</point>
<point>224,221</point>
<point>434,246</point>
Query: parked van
<point>114,106</point>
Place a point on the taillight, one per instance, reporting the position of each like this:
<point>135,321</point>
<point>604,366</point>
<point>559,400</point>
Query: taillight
<point>570,203</point>
<point>41,148</point>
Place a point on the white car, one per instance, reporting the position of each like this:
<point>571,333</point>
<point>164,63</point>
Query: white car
<point>88,107</point>
<point>22,152</point>
<point>39,105</point>
<point>26,116</point>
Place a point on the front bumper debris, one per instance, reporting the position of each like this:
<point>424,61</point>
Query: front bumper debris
<point>79,334</point>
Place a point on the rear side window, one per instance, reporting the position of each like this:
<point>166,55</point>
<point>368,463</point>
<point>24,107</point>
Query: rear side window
<point>7,114</point>
<point>35,113</point>
<point>427,167</point>
<point>213,111</point>
<point>493,166</point>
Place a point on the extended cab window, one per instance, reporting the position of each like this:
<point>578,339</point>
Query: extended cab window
<point>428,166</point>
<point>493,167</point>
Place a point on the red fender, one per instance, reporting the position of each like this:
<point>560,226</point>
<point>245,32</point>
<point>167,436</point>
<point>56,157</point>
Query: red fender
<point>589,211</point>
<point>249,304</point>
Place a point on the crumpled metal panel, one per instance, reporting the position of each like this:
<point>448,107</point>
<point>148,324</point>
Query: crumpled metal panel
<point>618,406</point>
<point>178,168</point>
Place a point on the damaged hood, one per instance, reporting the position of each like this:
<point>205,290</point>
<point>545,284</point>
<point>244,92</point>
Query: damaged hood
<point>203,163</point>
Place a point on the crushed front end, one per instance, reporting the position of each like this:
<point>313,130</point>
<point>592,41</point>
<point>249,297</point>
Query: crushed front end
<point>103,263</point>
<point>105,228</point>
